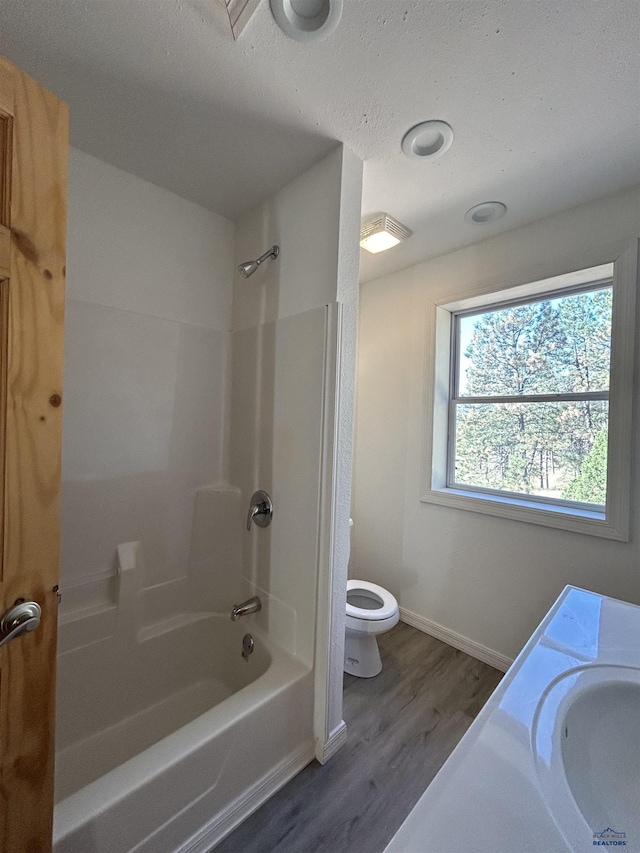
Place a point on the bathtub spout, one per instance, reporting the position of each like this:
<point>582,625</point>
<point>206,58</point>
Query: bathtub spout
<point>251,605</point>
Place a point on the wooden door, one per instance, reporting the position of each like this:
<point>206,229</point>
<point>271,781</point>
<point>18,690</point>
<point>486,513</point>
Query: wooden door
<point>33,164</point>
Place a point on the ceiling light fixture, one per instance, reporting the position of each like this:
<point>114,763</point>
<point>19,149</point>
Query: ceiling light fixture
<point>488,211</point>
<point>382,233</point>
<point>307,20</point>
<point>428,140</point>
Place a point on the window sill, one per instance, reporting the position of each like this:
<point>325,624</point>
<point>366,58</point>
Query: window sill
<point>562,518</point>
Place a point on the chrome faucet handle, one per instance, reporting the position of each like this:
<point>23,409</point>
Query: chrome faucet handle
<point>253,511</point>
<point>260,510</point>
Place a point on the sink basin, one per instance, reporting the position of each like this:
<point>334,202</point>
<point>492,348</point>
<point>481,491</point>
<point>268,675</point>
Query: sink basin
<point>586,742</point>
<point>601,753</point>
<point>551,764</point>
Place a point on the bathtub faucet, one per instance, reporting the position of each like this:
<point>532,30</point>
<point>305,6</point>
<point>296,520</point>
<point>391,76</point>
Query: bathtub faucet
<point>251,605</point>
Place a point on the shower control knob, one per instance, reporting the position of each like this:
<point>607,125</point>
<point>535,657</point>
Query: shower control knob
<point>18,620</point>
<point>260,510</point>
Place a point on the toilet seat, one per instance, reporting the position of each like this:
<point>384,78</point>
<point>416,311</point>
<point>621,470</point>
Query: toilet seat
<point>371,611</point>
<point>388,606</point>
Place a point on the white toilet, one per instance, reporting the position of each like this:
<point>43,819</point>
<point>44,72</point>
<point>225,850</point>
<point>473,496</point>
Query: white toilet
<point>371,610</point>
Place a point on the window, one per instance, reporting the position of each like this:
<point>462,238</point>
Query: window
<point>529,408</point>
<point>530,400</point>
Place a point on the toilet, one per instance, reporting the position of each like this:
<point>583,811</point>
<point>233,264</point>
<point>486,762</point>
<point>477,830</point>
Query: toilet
<point>371,610</point>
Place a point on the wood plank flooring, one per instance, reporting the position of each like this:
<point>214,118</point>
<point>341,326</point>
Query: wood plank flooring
<point>401,726</point>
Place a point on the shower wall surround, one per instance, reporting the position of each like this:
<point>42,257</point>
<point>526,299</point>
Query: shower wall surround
<point>187,388</point>
<point>282,385</point>
<point>277,384</point>
<point>148,316</point>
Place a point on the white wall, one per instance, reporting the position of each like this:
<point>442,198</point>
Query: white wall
<point>330,659</point>
<point>303,219</point>
<point>277,400</point>
<point>147,334</point>
<point>172,422</point>
<point>270,309</point>
<point>276,428</point>
<point>488,579</point>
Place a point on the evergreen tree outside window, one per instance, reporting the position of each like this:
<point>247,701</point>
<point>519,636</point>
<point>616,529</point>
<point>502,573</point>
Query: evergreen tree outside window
<point>530,397</point>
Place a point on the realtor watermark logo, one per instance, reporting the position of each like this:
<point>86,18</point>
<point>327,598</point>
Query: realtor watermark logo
<point>609,838</point>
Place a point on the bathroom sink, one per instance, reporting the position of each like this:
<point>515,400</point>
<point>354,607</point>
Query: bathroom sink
<point>601,753</point>
<point>551,764</point>
<point>586,741</point>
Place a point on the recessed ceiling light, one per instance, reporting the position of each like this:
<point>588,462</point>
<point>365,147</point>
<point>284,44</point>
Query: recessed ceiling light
<point>488,211</point>
<point>382,233</point>
<point>427,140</point>
<point>306,20</point>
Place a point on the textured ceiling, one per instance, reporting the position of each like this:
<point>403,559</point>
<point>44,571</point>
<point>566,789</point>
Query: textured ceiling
<point>543,97</point>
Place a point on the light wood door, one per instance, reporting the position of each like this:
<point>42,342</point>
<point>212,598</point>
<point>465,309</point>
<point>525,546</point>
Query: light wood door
<point>33,164</point>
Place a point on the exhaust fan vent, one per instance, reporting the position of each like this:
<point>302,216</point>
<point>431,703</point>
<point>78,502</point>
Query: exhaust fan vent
<point>383,232</point>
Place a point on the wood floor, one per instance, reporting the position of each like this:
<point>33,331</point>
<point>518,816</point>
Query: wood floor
<point>401,725</point>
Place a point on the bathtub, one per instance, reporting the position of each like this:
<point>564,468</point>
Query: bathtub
<point>193,739</point>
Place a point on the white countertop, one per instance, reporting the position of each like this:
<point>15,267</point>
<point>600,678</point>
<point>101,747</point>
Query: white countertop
<point>487,797</point>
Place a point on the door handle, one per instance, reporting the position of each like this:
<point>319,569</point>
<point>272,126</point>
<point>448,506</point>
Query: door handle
<point>18,620</point>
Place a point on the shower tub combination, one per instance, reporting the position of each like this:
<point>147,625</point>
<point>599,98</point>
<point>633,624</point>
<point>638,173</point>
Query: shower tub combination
<point>167,738</point>
<point>182,743</point>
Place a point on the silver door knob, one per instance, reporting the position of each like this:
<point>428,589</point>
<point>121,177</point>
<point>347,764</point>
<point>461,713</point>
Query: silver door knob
<point>18,620</point>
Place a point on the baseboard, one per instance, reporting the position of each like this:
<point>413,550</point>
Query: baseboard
<point>458,641</point>
<point>222,825</point>
<point>333,744</point>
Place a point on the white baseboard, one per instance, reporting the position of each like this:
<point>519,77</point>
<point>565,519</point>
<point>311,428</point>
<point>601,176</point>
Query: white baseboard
<point>222,825</point>
<point>458,641</point>
<point>335,742</point>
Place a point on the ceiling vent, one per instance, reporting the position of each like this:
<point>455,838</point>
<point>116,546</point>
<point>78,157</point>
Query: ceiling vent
<point>382,233</point>
<point>239,12</point>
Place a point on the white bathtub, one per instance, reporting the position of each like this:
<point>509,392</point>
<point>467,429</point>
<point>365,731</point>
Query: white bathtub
<point>193,739</point>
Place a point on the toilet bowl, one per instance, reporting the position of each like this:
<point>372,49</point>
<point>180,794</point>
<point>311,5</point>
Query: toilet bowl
<point>371,610</point>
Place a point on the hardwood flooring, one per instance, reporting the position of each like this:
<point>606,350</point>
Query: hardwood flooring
<point>401,726</point>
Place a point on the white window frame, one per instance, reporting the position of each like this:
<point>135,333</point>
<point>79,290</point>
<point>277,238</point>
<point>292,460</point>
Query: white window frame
<point>611,521</point>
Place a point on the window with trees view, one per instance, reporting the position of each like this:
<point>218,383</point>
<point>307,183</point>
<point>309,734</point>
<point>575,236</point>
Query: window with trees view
<point>529,403</point>
<point>529,397</point>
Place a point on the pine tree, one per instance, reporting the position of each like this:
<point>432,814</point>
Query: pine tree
<point>591,484</point>
<point>553,346</point>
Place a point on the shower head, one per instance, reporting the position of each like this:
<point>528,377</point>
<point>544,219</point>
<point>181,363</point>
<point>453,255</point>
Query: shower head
<point>249,267</point>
